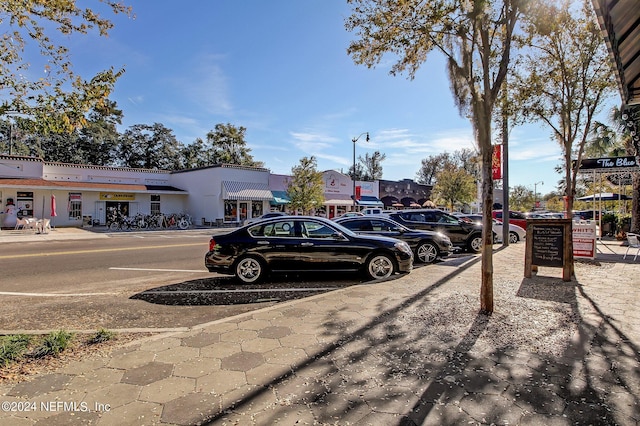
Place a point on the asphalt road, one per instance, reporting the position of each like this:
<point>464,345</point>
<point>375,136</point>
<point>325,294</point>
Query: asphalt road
<point>132,281</point>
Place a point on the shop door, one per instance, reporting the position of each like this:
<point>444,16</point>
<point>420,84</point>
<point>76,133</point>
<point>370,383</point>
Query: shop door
<point>244,207</point>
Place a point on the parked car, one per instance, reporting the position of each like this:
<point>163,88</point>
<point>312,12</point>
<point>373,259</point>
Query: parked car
<point>348,214</point>
<point>517,218</point>
<point>264,216</point>
<point>304,243</point>
<point>516,233</point>
<point>464,235</point>
<point>427,246</point>
<point>372,210</point>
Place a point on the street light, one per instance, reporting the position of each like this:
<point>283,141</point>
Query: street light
<point>535,193</point>
<point>353,176</point>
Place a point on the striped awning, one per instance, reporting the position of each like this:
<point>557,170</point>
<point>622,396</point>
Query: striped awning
<point>337,200</point>
<point>246,191</point>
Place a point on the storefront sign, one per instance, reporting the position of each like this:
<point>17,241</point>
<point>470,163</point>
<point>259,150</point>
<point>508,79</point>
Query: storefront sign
<point>628,162</point>
<point>117,196</point>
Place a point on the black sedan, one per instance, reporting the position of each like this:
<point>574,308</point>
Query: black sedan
<point>426,245</point>
<point>304,244</point>
<point>466,236</point>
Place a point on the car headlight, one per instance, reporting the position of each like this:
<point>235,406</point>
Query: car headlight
<point>404,247</point>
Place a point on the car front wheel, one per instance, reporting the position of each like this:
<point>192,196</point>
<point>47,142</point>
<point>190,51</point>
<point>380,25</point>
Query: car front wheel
<point>379,266</point>
<point>513,238</point>
<point>426,252</point>
<point>249,270</point>
<point>475,243</point>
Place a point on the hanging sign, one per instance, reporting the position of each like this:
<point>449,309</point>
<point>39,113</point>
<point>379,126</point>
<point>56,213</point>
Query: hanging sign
<point>496,162</point>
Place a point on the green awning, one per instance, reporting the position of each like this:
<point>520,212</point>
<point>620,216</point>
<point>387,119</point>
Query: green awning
<point>280,198</point>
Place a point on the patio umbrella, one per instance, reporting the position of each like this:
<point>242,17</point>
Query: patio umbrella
<point>605,196</point>
<point>53,205</point>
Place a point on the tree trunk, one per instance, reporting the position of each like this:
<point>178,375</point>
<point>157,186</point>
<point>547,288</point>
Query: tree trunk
<point>486,290</point>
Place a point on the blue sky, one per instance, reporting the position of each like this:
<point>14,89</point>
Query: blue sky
<point>281,70</point>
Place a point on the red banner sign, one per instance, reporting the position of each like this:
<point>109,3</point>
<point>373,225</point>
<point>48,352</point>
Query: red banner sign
<point>496,162</point>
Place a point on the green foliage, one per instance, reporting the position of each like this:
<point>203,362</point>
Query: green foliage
<point>13,347</point>
<point>150,147</point>
<point>520,198</point>
<point>102,335</point>
<point>53,343</point>
<point>305,189</point>
<point>228,146</point>
<point>563,77</point>
<point>466,159</point>
<point>455,186</point>
<point>58,101</point>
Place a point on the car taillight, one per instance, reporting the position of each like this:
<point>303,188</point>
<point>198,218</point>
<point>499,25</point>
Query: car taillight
<point>212,244</point>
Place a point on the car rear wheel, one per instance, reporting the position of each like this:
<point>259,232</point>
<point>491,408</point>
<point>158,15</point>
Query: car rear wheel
<point>513,238</point>
<point>249,270</point>
<point>475,243</point>
<point>379,266</point>
<point>426,252</point>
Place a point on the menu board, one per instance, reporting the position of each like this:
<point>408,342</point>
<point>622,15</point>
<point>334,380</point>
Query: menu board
<point>547,245</point>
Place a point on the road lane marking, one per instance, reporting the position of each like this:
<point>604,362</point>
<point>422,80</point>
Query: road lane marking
<point>61,253</point>
<point>15,293</point>
<point>160,270</point>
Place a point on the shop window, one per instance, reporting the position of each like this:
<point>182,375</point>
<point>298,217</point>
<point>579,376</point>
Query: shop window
<point>155,204</point>
<point>230,210</point>
<point>256,209</point>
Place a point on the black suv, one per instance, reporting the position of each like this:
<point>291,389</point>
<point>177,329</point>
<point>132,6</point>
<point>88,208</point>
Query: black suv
<point>467,236</point>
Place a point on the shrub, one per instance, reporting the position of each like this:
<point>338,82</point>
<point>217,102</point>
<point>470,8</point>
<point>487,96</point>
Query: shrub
<point>102,335</point>
<point>13,348</point>
<point>53,343</point>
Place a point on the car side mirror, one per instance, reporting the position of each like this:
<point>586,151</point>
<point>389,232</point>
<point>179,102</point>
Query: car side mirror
<point>338,236</point>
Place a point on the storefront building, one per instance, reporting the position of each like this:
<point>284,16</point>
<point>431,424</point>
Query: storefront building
<point>404,194</point>
<point>82,195</point>
<point>76,195</point>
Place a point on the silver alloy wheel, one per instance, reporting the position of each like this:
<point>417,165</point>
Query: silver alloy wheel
<point>427,252</point>
<point>475,245</point>
<point>249,270</point>
<point>513,238</point>
<point>379,267</point>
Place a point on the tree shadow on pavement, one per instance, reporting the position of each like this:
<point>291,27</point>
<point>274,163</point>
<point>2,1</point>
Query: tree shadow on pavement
<point>434,360</point>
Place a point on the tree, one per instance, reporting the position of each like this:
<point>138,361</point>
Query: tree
<point>520,198</point>
<point>372,165</point>
<point>57,102</point>
<point>97,141</point>
<point>475,37</point>
<point>195,155</point>
<point>563,78</point>
<point>228,146</point>
<point>150,147</point>
<point>432,166</point>
<point>305,189</point>
<point>359,173</point>
<point>455,186</point>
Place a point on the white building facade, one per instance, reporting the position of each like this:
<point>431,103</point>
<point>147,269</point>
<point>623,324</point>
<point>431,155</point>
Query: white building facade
<point>83,195</point>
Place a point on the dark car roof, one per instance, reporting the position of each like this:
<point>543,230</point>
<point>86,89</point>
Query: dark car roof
<point>330,223</point>
<point>386,219</point>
